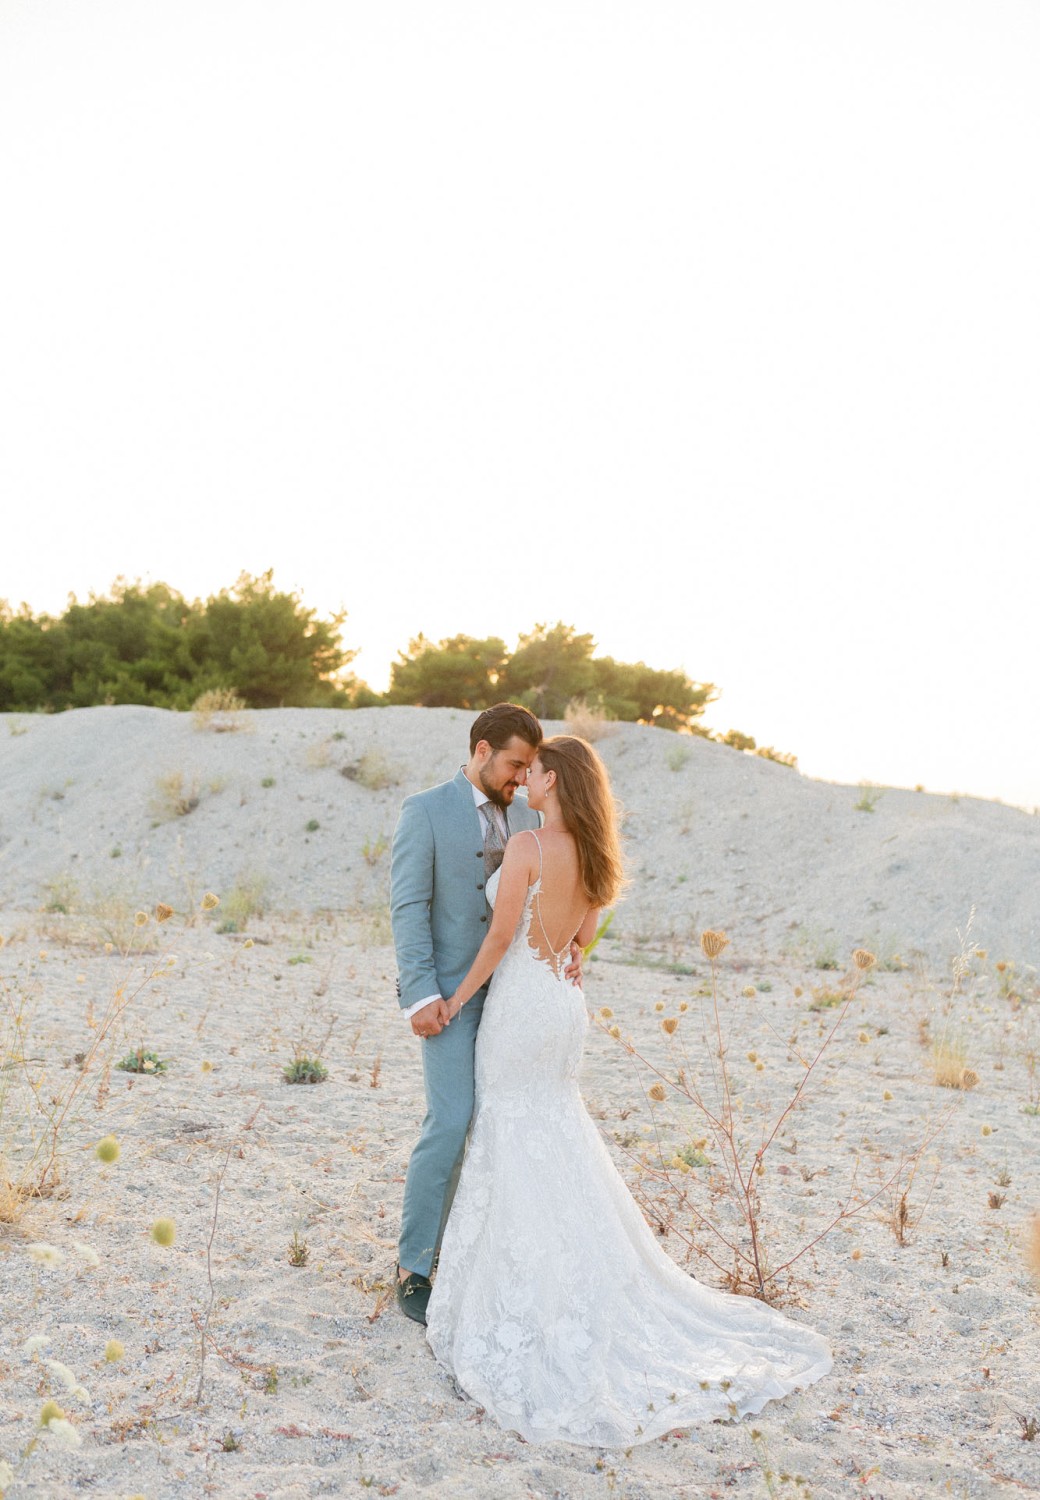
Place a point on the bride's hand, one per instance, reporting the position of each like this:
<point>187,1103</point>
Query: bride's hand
<point>573,969</point>
<point>454,1006</point>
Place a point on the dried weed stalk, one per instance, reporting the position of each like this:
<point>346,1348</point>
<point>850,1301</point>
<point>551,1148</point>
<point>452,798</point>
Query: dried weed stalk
<point>734,1241</point>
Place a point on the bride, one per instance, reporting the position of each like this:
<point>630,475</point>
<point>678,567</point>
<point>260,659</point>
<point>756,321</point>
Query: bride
<point>554,1306</point>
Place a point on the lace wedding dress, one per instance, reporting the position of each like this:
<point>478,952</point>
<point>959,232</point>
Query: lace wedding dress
<point>554,1306</point>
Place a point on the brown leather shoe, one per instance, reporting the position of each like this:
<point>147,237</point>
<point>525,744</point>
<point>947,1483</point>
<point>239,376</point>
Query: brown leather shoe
<point>413,1293</point>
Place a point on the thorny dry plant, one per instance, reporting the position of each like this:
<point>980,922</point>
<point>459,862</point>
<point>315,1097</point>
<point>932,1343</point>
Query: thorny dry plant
<point>41,1110</point>
<point>737,1246</point>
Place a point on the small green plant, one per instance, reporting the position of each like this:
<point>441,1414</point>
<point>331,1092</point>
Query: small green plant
<point>140,1061</point>
<point>301,958</point>
<point>338,734</point>
<point>1030,1428</point>
<point>677,756</point>
<point>230,1443</point>
<point>1008,986</point>
<point>271,1382</point>
<point>312,825</point>
<point>825,998</point>
<point>305,1069</point>
<point>60,894</point>
<point>1031,1058</point>
<point>299,1251</point>
<point>374,849</point>
<point>267,781</point>
<point>601,932</point>
<point>245,900</point>
<point>373,771</point>
<point>869,798</point>
<point>693,1156</point>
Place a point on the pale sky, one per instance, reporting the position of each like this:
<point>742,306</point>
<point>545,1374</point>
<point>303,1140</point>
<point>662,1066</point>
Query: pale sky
<point>710,329</point>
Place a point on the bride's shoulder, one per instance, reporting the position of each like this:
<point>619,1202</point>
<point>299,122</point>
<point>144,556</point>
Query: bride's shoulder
<point>520,850</point>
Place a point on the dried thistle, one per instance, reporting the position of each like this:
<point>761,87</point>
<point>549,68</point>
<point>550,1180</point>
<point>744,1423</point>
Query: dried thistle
<point>210,901</point>
<point>658,1092</point>
<point>107,1149</point>
<point>669,1025</point>
<point>712,943</point>
<point>969,1078</point>
<point>863,959</point>
<point>163,913</point>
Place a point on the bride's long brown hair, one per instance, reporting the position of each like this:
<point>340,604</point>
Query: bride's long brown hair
<point>589,814</point>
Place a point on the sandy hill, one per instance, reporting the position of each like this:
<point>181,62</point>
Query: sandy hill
<point>130,805</point>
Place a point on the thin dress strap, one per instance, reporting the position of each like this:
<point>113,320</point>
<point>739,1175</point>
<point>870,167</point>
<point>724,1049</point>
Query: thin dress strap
<point>539,843</point>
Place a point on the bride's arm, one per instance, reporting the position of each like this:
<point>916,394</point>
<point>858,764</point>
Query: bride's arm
<point>587,931</point>
<point>518,869</point>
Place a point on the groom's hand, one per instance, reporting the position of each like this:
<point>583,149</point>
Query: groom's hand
<point>573,969</point>
<point>432,1019</point>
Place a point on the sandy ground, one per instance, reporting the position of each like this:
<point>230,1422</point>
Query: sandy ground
<point>313,1383</point>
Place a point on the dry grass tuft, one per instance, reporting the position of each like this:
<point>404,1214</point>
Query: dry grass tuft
<point>948,1067</point>
<point>220,711</point>
<point>1031,1250</point>
<point>172,797</point>
<point>245,900</point>
<point>589,721</point>
<point>373,771</point>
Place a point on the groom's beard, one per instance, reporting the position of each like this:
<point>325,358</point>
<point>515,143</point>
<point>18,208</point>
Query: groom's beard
<point>500,796</point>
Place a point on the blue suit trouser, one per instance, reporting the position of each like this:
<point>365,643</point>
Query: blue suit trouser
<point>436,1162</point>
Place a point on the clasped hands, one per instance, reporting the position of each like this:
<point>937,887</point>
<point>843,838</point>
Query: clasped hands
<point>432,1019</point>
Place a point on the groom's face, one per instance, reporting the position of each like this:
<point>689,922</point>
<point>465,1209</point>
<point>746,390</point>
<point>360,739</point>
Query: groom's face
<point>506,769</point>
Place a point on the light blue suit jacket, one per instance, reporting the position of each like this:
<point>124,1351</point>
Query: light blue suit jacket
<point>437,905</point>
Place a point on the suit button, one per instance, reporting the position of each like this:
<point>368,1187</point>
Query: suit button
<point>479,853</point>
<point>480,885</point>
<point>484,917</point>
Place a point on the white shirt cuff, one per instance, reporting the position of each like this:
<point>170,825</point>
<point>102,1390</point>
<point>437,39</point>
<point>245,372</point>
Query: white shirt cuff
<point>418,1006</point>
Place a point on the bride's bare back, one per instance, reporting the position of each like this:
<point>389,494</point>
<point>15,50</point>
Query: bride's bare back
<point>559,904</point>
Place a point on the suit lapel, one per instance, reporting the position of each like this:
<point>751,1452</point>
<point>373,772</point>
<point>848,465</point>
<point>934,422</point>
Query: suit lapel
<point>468,808</point>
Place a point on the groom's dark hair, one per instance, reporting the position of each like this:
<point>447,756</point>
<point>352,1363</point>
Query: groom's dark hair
<point>499,723</point>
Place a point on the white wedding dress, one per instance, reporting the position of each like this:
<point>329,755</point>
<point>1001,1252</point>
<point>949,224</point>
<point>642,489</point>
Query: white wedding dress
<point>554,1306</point>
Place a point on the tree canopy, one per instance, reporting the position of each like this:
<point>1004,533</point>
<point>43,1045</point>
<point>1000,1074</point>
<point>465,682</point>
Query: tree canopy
<point>148,644</point>
<point>551,668</point>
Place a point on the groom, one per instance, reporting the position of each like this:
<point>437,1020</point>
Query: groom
<point>448,842</point>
